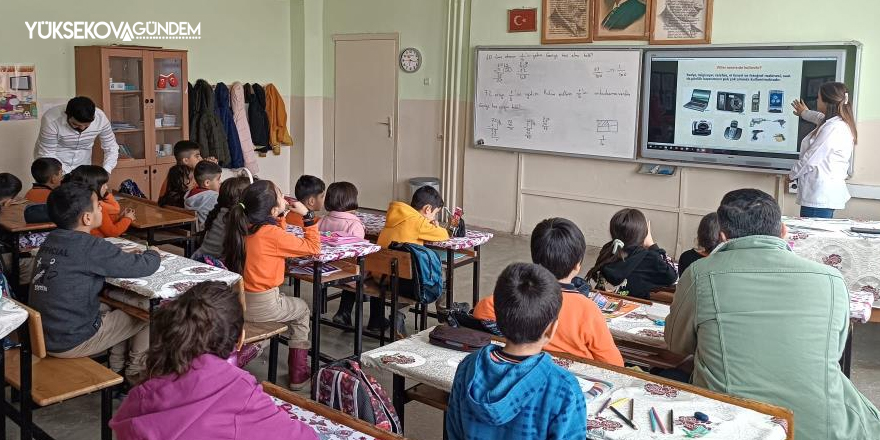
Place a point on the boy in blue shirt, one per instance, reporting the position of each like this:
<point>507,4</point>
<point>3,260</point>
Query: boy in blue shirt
<point>518,392</point>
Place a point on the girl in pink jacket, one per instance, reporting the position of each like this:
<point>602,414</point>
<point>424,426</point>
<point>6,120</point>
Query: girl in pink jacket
<point>192,392</point>
<point>341,205</point>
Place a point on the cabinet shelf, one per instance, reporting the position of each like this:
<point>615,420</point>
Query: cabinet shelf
<point>163,128</point>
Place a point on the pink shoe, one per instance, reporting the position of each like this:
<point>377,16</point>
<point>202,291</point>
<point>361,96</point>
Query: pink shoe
<point>299,368</point>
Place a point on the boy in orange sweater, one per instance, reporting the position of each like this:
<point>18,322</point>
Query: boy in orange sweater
<point>558,245</point>
<point>414,223</point>
<point>310,191</point>
<point>47,174</point>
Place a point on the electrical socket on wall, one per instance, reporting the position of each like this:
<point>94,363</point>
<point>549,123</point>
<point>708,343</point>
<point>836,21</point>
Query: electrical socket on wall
<point>427,81</point>
<point>793,187</point>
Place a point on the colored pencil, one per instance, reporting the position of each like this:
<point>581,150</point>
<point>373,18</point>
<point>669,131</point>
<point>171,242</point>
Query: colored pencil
<point>623,417</point>
<point>652,420</point>
<point>657,418</point>
<point>604,405</point>
<point>671,422</point>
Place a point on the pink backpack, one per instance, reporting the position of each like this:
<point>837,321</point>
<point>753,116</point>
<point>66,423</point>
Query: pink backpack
<point>342,385</point>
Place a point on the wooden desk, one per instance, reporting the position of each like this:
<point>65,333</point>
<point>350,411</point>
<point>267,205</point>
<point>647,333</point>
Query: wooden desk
<point>416,359</point>
<point>323,417</point>
<point>12,221</point>
<point>151,217</point>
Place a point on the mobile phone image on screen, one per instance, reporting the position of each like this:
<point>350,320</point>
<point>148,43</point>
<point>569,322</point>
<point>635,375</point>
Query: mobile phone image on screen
<point>775,101</point>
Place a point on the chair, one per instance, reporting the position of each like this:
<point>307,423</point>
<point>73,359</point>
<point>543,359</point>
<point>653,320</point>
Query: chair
<point>260,331</point>
<point>393,266</point>
<point>44,381</point>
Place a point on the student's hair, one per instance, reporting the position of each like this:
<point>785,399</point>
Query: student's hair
<point>10,186</point>
<point>178,185</point>
<point>628,225</point>
<point>527,300</point>
<point>185,149</point>
<point>426,195</point>
<point>308,186</point>
<point>44,168</point>
<point>206,170</point>
<point>708,233</point>
<point>207,319</point>
<point>80,108</point>
<point>67,203</point>
<point>93,176</point>
<point>746,212</point>
<point>230,194</point>
<point>558,245</point>
<point>341,197</point>
<point>838,102</point>
<point>246,217</point>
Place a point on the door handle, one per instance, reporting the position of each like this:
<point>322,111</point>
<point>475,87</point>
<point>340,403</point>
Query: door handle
<point>390,125</point>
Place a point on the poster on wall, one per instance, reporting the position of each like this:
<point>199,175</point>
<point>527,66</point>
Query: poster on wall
<point>621,19</point>
<point>566,21</point>
<point>681,22</point>
<point>18,92</point>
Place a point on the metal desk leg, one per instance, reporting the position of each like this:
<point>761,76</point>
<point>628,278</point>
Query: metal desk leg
<point>450,275</point>
<point>106,413</point>
<point>154,304</point>
<point>316,323</point>
<point>3,414</point>
<point>476,276</point>
<point>359,309</point>
<point>15,270</point>
<point>398,398</point>
<point>846,359</point>
<point>151,237</point>
<point>273,359</point>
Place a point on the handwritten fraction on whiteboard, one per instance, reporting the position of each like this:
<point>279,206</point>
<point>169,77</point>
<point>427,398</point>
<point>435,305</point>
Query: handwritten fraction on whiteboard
<point>572,101</point>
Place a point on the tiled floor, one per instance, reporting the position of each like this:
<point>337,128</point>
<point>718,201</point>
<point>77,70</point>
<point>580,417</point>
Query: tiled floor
<point>78,418</point>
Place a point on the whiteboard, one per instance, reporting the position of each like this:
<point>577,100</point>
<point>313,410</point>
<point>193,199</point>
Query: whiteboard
<point>581,102</point>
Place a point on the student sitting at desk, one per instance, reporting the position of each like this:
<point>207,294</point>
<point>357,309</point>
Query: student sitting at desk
<point>518,392</point>
<point>180,181</point>
<point>308,190</point>
<point>203,197</point>
<point>631,263</point>
<point>114,220</point>
<point>10,186</point>
<point>257,246</point>
<point>215,224</point>
<point>342,204</point>
<point>708,238</point>
<point>766,324</point>
<point>559,246</point>
<point>47,173</point>
<point>192,391</point>
<point>71,267</point>
<point>187,153</point>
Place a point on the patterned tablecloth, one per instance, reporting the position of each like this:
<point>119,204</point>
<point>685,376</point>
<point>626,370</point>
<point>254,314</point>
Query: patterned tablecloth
<point>831,242</point>
<point>325,428</point>
<point>374,223</point>
<point>640,326</point>
<point>330,253</point>
<point>416,359</point>
<point>11,316</point>
<point>175,275</point>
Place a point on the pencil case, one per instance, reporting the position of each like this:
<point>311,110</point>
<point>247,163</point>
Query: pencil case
<point>458,338</point>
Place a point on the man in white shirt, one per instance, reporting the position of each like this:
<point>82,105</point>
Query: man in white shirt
<point>68,134</point>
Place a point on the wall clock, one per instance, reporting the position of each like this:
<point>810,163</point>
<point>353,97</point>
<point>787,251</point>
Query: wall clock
<point>410,60</point>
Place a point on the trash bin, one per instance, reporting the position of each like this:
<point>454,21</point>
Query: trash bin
<point>417,182</point>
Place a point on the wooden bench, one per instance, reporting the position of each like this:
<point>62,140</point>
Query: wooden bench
<point>260,331</point>
<point>44,381</point>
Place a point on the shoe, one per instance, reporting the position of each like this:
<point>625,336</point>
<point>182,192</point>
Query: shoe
<point>377,327</point>
<point>299,368</point>
<point>400,325</point>
<point>342,318</point>
<point>248,353</point>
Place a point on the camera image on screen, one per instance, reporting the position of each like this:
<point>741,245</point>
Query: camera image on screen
<point>701,128</point>
<point>731,102</point>
<point>733,132</point>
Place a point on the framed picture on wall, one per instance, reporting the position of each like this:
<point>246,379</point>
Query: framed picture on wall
<point>566,21</point>
<point>681,22</point>
<point>621,19</point>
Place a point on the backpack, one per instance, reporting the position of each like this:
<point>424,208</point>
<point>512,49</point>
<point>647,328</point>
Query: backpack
<point>343,386</point>
<point>129,187</point>
<point>427,270</point>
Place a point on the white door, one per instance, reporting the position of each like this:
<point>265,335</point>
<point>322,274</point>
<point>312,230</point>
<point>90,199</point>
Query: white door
<point>365,117</point>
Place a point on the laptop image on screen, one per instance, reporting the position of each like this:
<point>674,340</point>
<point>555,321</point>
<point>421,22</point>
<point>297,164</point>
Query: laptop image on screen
<point>699,100</point>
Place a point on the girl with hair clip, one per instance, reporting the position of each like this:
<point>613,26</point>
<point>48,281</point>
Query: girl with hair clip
<point>215,224</point>
<point>180,181</point>
<point>631,263</point>
<point>115,220</point>
<point>191,390</point>
<point>257,246</point>
<point>826,152</point>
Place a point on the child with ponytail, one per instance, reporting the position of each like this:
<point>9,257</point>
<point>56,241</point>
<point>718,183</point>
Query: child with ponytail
<point>115,220</point>
<point>823,166</point>
<point>631,262</point>
<point>191,390</point>
<point>257,246</point>
<point>215,224</point>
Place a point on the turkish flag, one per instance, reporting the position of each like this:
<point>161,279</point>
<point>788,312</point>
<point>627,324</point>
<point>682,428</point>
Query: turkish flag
<point>522,20</point>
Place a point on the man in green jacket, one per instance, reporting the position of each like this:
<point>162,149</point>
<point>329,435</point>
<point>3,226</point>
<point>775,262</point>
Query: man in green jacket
<point>766,324</point>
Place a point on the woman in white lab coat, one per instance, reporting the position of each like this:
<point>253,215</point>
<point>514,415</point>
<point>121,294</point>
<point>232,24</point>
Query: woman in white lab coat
<point>823,167</point>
